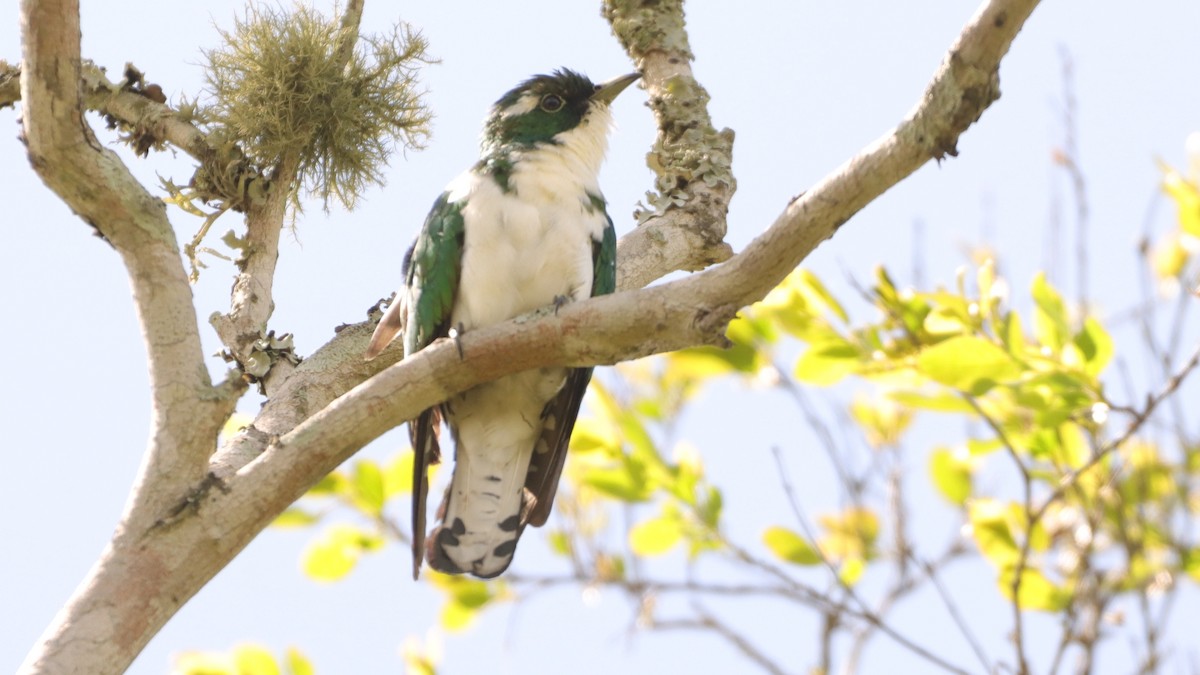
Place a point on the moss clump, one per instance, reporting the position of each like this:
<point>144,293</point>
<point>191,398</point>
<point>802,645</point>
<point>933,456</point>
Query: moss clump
<point>287,88</point>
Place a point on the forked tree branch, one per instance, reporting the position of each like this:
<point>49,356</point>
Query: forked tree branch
<point>312,423</point>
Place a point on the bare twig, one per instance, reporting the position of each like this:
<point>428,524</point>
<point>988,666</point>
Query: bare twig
<point>864,611</point>
<point>710,623</point>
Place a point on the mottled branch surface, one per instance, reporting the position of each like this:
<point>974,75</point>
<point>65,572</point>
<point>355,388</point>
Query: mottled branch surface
<point>194,510</point>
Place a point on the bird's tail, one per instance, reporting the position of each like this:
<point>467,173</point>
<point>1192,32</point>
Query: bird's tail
<point>481,518</point>
<point>487,506</point>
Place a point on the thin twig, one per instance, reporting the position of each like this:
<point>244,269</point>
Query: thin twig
<point>865,611</point>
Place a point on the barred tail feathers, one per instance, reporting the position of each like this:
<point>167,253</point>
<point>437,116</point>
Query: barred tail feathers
<point>487,506</point>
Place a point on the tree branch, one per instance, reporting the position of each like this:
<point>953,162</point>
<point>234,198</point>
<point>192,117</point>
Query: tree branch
<point>686,231</point>
<point>188,410</point>
<point>297,439</point>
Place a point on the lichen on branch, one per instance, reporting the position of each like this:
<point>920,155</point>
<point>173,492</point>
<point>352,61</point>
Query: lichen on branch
<point>282,86</point>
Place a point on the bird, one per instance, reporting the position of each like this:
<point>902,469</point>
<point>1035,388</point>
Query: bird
<point>525,228</point>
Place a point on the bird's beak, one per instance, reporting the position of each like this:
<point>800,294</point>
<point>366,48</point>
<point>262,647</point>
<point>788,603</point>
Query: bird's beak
<point>607,91</point>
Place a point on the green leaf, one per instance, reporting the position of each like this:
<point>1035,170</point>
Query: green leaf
<point>705,363</point>
<point>254,660</point>
<point>825,364</point>
<point>1036,592</point>
<point>297,663</point>
<point>990,527</point>
<point>1191,563</point>
<point>560,542</point>
<point>710,508</point>
<point>655,536</point>
<point>1186,195</point>
<point>945,321</point>
<point>368,486</point>
<point>851,533</point>
<point>1013,334</point>
<point>790,547</point>
<point>592,434</point>
<point>295,517</point>
<point>203,663</point>
<point>852,570</point>
<point>941,402</point>
<point>1050,317</point>
<point>967,363</point>
<point>883,421</point>
<point>813,290</point>
<point>1096,345</point>
<point>336,551</point>
<point>397,475</point>
<point>951,475</point>
<point>977,447</point>
<point>625,482</point>
<point>334,483</point>
<point>466,598</point>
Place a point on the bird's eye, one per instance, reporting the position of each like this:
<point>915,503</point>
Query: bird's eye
<point>551,103</point>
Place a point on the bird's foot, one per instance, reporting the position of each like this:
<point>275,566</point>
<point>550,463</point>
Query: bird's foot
<point>456,335</point>
<point>559,301</point>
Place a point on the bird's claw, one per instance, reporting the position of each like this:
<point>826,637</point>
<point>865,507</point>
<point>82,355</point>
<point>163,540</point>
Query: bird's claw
<point>457,337</point>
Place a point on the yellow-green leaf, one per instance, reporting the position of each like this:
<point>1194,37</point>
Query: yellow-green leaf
<point>626,481</point>
<point>336,551</point>
<point>467,597</point>
<point>883,421</point>
<point>254,660</point>
<point>397,474</point>
<point>827,363</point>
<point>1170,257</point>
<point>990,527</point>
<point>790,547</point>
<point>559,542</point>
<point>297,663</point>
<point>368,486</point>
<point>967,363</point>
<point>1186,195</point>
<point>1036,592</point>
<point>203,663</point>
<point>235,423</point>
<point>655,536</point>
<point>592,434</point>
<point>1050,317</point>
<point>940,402</point>
<point>813,290</point>
<point>295,517</point>
<point>852,570</point>
<point>951,475</point>
<point>1096,345</point>
<point>851,533</point>
<point>332,484</point>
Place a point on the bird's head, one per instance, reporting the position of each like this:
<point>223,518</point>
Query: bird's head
<point>539,110</point>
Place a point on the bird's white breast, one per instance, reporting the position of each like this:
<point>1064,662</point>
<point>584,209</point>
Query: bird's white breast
<point>529,245</point>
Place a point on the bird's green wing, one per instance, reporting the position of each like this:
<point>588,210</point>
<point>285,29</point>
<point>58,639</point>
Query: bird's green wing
<point>431,272</point>
<point>560,414</point>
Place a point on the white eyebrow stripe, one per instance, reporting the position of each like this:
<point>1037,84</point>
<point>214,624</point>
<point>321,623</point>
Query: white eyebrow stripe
<point>523,105</point>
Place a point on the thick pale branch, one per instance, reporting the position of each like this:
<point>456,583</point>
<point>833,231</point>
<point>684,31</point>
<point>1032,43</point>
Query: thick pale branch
<point>97,186</point>
<point>188,411</point>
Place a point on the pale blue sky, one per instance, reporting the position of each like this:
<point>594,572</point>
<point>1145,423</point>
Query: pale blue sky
<point>804,84</point>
